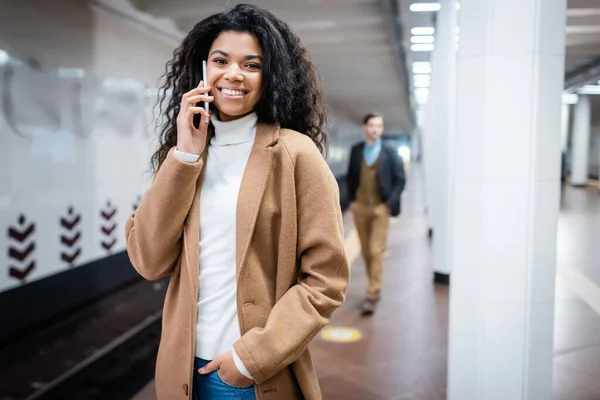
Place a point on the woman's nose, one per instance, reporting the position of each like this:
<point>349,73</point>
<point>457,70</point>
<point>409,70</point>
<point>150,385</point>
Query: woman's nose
<point>234,73</point>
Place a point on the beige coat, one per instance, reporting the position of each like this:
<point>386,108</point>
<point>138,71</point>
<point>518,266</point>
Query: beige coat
<point>292,270</point>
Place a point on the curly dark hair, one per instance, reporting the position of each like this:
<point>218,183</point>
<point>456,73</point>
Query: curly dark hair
<point>291,96</point>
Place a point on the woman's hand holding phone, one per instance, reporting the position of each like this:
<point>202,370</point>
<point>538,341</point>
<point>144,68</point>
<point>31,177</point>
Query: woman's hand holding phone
<point>189,138</point>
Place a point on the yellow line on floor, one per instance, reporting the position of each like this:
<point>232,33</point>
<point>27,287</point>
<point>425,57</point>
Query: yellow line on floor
<point>582,286</point>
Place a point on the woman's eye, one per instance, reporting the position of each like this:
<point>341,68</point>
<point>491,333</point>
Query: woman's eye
<point>253,66</point>
<point>219,61</point>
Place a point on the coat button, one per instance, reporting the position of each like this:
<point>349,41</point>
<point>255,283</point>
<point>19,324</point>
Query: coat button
<point>185,388</point>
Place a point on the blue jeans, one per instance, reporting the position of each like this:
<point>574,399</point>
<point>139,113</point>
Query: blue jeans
<point>212,387</point>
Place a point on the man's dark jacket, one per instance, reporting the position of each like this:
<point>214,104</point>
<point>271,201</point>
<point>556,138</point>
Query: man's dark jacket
<point>390,175</point>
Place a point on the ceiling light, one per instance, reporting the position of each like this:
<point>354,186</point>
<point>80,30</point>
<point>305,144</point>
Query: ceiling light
<point>421,71</point>
<point>583,12</point>
<point>423,30</point>
<point>422,39</point>
<point>421,95</point>
<point>421,47</point>
<point>582,29</point>
<point>422,80</point>
<point>421,77</point>
<point>422,67</point>
<point>4,57</point>
<point>424,7</point>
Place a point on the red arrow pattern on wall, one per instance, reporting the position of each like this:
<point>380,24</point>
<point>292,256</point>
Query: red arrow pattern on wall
<point>68,238</point>
<point>23,236</point>
<point>107,227</point>
<point>21,274</point>
<point>70,258</point>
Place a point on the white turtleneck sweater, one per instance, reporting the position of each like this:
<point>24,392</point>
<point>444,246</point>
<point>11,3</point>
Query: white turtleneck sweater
<point>218,328</point>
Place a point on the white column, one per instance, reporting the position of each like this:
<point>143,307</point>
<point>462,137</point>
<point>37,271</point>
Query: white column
<point>581,142</point>
<point>415,145</point>
<point>442,120</point>
<point>507,187</point>
<point>424,112</point>
<point>565,119</point>
<point>428,156</point>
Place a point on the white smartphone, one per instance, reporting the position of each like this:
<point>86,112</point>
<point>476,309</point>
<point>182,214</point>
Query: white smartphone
<point>205,83</point>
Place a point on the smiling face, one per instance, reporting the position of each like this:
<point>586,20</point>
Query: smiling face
<point>234,71</point>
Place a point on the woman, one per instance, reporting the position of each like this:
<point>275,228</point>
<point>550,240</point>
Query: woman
<point>243,214</point>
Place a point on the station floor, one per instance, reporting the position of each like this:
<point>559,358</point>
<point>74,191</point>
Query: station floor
<point>400,353</point>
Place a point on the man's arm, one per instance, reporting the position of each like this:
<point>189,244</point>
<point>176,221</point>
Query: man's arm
<point>351,183</point>
<point>398,179</point>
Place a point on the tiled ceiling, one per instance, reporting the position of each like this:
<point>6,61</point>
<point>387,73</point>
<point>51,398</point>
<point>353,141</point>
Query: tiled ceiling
<point>583,34</point>
<point>356,50</point>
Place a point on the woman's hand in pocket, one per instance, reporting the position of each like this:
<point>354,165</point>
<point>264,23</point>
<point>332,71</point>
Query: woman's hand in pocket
<point>227,371</point>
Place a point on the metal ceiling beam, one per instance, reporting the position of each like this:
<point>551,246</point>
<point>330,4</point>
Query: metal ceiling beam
<point>588,74</point>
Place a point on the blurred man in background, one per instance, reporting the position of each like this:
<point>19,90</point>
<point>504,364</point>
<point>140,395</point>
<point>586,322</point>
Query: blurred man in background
<point>375,182</point>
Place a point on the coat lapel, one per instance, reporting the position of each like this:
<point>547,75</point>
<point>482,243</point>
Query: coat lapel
<point>192,228</point>
<point>252,189</point>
